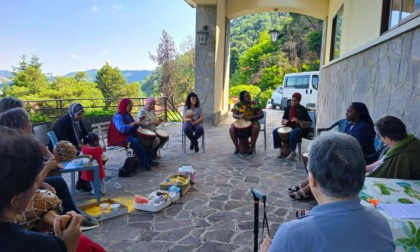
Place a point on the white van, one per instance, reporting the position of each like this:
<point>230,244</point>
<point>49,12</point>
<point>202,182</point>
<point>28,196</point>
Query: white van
<point>306,84</point>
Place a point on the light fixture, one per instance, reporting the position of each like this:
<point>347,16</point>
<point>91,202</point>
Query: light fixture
<point>203,35</point>
<point>274,35</point>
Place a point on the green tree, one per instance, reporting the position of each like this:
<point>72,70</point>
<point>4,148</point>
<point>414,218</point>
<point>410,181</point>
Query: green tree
<point>165,58</point>
<point>112,83</point>
<point>28,80</point>
<point>184,76</point>
<point>150,85</point>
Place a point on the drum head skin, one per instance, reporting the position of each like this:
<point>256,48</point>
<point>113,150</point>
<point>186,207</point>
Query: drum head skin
<point>283,130</point>
<point>162,133</point>
<point>146,132</point>
<point>241,124</point>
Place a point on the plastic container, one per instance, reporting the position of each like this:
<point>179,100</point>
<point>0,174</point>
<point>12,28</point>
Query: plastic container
<point>117,185</point>
<point>152,206</point>
<point>104,206</point>
<point>114,207</point>
<point>184,186</point>
<point>187,170</point>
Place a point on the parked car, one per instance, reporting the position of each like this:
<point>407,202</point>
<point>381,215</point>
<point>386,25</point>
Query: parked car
<point>276,97</point>
<point>268,106</point>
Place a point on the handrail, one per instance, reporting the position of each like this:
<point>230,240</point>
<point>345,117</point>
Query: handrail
<point>56,108</point>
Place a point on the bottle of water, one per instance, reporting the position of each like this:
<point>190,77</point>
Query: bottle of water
<point>117,185</point>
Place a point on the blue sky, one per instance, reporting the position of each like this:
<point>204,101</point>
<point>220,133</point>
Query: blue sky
<point>80,35</point>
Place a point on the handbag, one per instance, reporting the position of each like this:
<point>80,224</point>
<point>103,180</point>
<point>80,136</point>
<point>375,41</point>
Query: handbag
<point>129,167</point>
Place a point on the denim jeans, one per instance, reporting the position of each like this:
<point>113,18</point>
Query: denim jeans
<point>188,128</point>
<point>294,137</point>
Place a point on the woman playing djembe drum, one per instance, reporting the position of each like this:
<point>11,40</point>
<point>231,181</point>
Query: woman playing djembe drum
<point>295,117</point>
<point>149,120</point>
<point>123,130</point>
<point>249,111</point>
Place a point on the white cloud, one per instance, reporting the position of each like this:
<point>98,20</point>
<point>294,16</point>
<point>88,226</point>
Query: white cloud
<point>105,52</point>
<point>74,56</point>
<point>95,8</point>
<point>118,7</point>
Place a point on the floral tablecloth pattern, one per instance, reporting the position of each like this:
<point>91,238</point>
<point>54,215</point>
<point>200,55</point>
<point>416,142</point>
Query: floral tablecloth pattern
<point>406,232</point>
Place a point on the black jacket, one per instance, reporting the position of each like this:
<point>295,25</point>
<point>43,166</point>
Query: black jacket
<point>302,115</point>
<point>63,128</point>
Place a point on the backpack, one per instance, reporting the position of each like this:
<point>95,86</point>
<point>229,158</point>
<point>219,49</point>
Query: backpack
<point>129,167</point>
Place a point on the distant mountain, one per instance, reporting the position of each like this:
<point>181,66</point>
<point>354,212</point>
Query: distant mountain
<point>5,73</point>
<point>129,75</point>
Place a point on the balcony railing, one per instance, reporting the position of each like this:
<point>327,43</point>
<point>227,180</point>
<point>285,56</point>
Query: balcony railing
<point>53,109</point>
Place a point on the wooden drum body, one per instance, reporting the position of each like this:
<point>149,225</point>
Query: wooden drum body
<point>243,130</point>
<point>43,208</point>
<point>146,137</point>
<point>284,133</point>
<point>163,137</point>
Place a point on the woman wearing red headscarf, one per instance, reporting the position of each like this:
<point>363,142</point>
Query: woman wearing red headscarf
<point>122,131</point>
<point>296,117</point>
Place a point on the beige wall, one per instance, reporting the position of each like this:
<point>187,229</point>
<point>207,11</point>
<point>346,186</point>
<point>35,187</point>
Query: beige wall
<point>314,8</point>
<point>361,23</point>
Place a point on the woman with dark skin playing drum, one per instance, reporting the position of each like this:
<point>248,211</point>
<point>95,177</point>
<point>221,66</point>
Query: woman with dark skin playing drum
<point>247,110</point>
<point>122,131</point>
<point>296,117</point>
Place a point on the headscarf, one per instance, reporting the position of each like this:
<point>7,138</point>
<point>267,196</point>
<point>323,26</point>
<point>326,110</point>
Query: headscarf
<point>363,112</point>
<point>122,107</point>
<point>74,109</point>
<point>149,100</point>
<point>298,96</point>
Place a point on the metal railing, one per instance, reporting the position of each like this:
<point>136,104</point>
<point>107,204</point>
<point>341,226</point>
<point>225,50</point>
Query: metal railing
<point>56,108</point>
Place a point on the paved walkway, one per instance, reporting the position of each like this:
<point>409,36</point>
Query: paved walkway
<point>216,214</point>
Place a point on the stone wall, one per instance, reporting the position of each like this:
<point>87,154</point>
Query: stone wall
<point>385,77</point>
<point>205,61</point>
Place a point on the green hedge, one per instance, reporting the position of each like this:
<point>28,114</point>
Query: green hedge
<point>252,90</point>
<point>263,97</point>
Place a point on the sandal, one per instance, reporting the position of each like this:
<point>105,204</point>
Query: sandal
<point>299,195</point>
<point>294,188</point>
<point>302,213</point>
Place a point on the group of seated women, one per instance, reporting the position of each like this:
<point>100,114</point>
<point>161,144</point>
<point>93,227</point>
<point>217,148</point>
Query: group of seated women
<point>402,159</point>
<point>22,172</point>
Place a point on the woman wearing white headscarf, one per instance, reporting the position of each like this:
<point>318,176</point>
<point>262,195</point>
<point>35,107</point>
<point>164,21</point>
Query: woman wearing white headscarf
<point>70,128</point>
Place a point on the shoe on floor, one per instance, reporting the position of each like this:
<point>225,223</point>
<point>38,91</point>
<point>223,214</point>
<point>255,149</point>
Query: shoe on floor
<point>299,195</point>
<point>88,224</point>
<point>191,146</point>
<point>83,185</point>
<point>196,149</point>
<point>291,156</point>
<point>153,163</point>
<point>302,213</point>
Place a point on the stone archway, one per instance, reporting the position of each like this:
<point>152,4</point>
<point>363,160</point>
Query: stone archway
<point>212,59</point>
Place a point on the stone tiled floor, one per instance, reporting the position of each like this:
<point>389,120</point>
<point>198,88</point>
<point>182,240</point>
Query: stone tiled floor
<point>216,214</point>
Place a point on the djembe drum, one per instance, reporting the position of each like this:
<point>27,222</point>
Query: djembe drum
<point>284,133</point>
<point>242,131</point>
<point>146,137</point>
<point>41,212</point>
<point>163,137</point>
